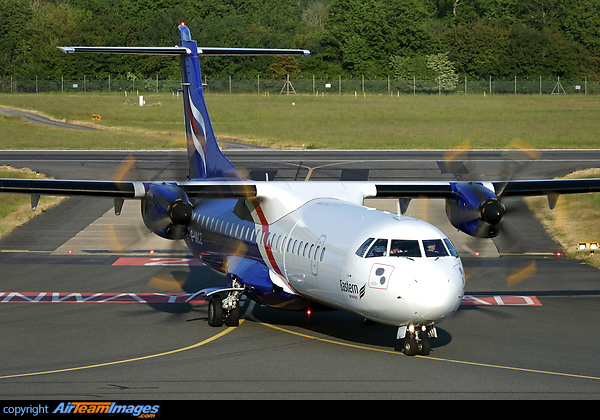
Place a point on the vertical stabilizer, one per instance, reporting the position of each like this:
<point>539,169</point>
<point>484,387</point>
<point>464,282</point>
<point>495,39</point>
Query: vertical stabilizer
<point>205,157</point>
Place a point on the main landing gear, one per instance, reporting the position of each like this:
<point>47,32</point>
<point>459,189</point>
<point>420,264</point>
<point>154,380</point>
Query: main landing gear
<point>226,310</point>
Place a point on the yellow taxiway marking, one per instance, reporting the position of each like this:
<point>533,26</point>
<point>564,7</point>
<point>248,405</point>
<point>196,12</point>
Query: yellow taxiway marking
<point>23,251</point>
<point>135,359</point>
<point>312,337</point>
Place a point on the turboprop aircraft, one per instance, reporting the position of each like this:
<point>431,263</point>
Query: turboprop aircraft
<point>296,245</point>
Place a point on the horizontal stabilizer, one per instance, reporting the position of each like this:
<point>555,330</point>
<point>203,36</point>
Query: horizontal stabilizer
<point>215,51</point>
<point>127,50</point>
<point>205,51</point>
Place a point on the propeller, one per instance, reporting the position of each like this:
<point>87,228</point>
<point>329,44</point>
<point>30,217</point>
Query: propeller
<point>482,211</point>
<point>477,209</point>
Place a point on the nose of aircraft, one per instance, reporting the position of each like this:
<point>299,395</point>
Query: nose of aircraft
<point>434,292</point>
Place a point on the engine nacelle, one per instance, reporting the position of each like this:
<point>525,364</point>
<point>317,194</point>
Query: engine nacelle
<point>474,210</point>
<point>167,211</point>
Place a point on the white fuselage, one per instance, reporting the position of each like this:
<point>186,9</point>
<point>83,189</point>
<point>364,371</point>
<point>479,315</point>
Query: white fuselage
<point>312,251</point>
<point>320,262</point>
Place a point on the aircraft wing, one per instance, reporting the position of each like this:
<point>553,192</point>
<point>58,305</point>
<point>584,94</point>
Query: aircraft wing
<point>474,208</point>
<point>123,189</point>
<point>249,189</point>
<point>426,189</point>
<point>548,186</point>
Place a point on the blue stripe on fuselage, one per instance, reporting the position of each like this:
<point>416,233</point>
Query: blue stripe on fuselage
<point>230,244</point>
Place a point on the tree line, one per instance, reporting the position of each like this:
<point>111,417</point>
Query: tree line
<point>443,39</point>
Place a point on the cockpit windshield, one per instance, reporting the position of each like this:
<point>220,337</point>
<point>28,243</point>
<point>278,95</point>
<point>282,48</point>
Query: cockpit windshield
<point>434,248</point>
<point>363,248</point>
<point>409,248</point>
<point>405,248</point>
<point>451,247</point>
<point>378,249</point>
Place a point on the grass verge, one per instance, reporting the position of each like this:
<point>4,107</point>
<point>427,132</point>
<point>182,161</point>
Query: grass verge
<point>573,220</point>
<point>15,209</point>
<point>305,121</point>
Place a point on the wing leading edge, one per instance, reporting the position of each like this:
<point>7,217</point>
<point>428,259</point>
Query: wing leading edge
<point>251,189</point>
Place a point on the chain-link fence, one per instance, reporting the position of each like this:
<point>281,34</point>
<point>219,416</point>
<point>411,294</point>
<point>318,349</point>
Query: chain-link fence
<point>312,85</point>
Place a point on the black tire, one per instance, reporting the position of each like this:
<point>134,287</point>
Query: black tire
<point>410,346</point>
<point>424,346</point>
<point>215,311</point>
<point>233,317</point>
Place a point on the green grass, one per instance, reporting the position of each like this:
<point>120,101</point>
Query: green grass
<point>330,122</point>
<point>15,209</point>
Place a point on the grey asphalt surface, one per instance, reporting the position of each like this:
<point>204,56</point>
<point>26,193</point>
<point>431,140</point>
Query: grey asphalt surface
<point>141,351</point>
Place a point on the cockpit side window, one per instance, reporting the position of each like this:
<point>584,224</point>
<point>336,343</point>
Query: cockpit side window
<point>451,247</point>
<point>379,249</point>
<point>405,248</point>
<point>363,248</point>
<point>434,248</point>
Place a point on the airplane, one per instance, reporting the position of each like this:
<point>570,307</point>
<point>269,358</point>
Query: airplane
<point>301,245</point>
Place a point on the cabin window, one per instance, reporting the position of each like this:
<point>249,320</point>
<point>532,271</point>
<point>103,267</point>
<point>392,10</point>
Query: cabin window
<point>277,242</point>
<point>363,248</point>
<point>405,248</point>
<point>378,249</point>
<point>434,248</point>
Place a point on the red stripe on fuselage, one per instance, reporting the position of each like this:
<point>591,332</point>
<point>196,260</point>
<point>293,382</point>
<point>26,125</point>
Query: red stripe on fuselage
<point>265,229</point>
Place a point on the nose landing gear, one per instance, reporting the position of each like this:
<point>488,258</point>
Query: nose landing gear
<point>416,341</point>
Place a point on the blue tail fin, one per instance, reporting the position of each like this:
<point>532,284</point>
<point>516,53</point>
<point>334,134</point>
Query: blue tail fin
<point>206,161</point>
<point>205,157</point>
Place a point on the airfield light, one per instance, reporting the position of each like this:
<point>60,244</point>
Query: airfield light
<point>151,251</point>
<point>558,254</point>
<point>594,245</point>
<point>582,245</point>
<point>476,253</point>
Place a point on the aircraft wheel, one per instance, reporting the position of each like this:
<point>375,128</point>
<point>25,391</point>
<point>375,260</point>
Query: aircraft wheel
<point>233,318</point>
<point>424,346</point>
<point>215,311</point>
<point>410,346</point>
